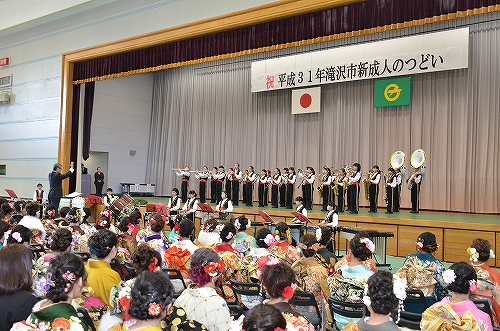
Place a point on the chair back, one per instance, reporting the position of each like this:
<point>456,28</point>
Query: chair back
<point>484,306</point>
<point>346,309</point>
<point>409,320</point>
<point>415,301</point>
<point>84,315</point>
<point>236,311</point>
<point>305,299</point>
<point>174,273</point>
<point>240,288</point>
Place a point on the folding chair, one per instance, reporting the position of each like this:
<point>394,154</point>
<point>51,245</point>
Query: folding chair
<point>84,315</point>
<point>409,320</point>
<point>248,289</point>
<point>354,310</point>
<point>174,273</point>
<point>236,311</point>
<point>307,299</point>
<point>415,301</point>
<point>484,306</point>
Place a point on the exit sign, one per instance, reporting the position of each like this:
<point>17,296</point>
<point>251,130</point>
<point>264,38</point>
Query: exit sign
<point>4,61</point>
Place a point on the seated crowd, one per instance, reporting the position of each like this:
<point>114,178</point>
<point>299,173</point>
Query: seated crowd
<point>118,270</point>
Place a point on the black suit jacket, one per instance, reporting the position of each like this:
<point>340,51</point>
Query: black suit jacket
<point>55,181</point>
<point>98,176</point>
<point>85,171</point>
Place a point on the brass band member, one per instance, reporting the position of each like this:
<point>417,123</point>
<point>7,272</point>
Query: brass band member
<point>307,185</point>
<point>276,185</point>
<point>283,187</point>
<point>397,192</point>
<point>220,176</point>
<point>341,176</point>
<point>262,185</point>
<point>244,180</point>
<point>202,176</point>
<point>266,187</point>
<point>174,203</point>
<point>191,205</point>
<point>290,187</point>
<point>353,189</point>
<point>390,187</point>
<point>213,185</point>
<point>326,181</point>
<point>224,207</point>
<point>374,188</point>
<point>414,183</point>
<point>331,217</point>
<point>185,174</point>
<point>301,209</point>
<point>249,187</point>
<point>235,184</point>
<point>228,183</point>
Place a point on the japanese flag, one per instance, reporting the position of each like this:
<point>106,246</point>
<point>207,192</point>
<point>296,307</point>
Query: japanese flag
<point>306,100</point>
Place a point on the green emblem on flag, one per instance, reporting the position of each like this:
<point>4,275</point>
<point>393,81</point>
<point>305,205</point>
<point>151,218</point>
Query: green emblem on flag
<point>392,92</point>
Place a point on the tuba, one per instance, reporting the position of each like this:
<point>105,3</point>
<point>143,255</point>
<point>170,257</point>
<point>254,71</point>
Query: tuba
<point>417,160</point>
<point>397,161</point>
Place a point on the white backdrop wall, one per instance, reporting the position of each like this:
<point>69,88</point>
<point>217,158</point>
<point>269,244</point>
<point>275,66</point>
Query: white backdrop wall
<point>120,123</point>
<point>206,115</point>
<point>29,126</point>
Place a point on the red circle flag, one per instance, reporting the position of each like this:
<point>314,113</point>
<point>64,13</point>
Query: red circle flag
<point>305,100</point>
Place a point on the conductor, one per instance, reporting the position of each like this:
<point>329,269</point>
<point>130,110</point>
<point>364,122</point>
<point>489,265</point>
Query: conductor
<point>55,181</point>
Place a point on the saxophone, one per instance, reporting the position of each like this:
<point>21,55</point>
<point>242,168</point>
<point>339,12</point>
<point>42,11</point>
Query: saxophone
<point>366,184</point>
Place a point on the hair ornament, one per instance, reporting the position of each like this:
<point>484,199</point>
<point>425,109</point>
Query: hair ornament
<point>492,254</point>
<point>11,205</point>
<point>399,287</point>
<point>474,254</point>
<point>155,309</point>
<point>213,269</point>
<point>449,276</point>
<point>219,227</point>
<point>237,224</point>
<point>163,218</point>
<point>69,276</point>
<point>153,221</point>
<point>131,227</point>
<point>229,235</point>
<point>269,240</point>
<point>107,213</point>
<point>366,299</point>
<point>318,234</point>
<point>51,212</point>
<point>152,266</point>
<point>177,227</point>
<point>419,244</point>
<point>368,243</point>
<point>45,283</point>
<point>278,329</point>
<point>17,237</point>
<point>472,285</point>
<point>267,260</point>
<point>288,291</point>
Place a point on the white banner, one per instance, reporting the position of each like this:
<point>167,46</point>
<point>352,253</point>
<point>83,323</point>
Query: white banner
<point>431,52</point>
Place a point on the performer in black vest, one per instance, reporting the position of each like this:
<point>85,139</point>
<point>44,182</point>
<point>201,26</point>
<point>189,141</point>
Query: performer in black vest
<point>191,205</point>
<point>340,181</point>
<point>301,209</point>
<point>251,178</point>
<point>374,188</point>
<point>224,207</point>
<point>414,185</point>
<point>276,182</point>
<point>353,189</point>
<point>39,196</point>
<point>283,187</point>
<point>235,184</point>
<point>290,187</point>
<point>185,174</point>
<point>220,176</point>
<point>307,186</point>
<point>262,185</point>
<point>331,217</point>
<point>202,176</point>
<point>397,191</point>
<point>390,187</point>
<point>213,185</point>
<point>55,181</point>
<point>326,181</point>
<point>98,181</point>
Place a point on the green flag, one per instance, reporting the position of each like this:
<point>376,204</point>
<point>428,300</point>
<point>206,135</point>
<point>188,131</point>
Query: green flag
<point>392,92</point>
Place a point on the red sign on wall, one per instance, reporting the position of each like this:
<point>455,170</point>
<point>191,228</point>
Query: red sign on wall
<point>4,61</point>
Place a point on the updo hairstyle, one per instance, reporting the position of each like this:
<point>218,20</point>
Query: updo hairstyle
<point>150,288</point>
<point>24,232</point>
<point>306,244</point>
<point>283,231</point>
<point>242,223</point>
<point>358,248</point>
<point>228,232</point>
<point>199,259</point>
<point>428,240</point>
<point>156,222</point>
<point>60,268</point>
<point>381,292</point>
<point>263,318</point>
<point>143,256</point>
<point>276,277</point>
<point>61,240</point>
<point>483,248</point>
<point>326,235</point>
<point>186,228</point>
<point>464,274</point>
<point>260,236</point>
<point>101,243</point>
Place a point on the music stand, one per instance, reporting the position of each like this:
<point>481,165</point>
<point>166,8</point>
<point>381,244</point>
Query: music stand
<point>301,217</point>
<point>94,199</point>
<point>266,217</point>
<point>206,208</point>
<point>12,194</point>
